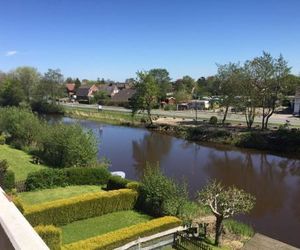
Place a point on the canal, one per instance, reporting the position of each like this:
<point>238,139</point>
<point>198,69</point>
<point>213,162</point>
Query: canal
<point>274,180</point>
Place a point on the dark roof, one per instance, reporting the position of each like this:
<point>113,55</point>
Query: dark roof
<point>83,90</point>
<point>124,95</point>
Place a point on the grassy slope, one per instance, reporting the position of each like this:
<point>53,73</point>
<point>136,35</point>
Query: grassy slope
<point>91,227</point>
<point>19,162</point>
<point>40,196</point>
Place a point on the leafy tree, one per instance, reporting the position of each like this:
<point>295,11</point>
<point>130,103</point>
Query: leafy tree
<point>162,79</point>
<point>146,96</point>
<point>225,203</point>
<point>77,83</point>
<point>182,96</point>
<point>186,84</point>
<point>69,80</point>
<point>52,84</point>
<point>28,78</point>
<point>11,93</point>
<point>268,75</point>
<point>229,76</point>
<point>100,96</point>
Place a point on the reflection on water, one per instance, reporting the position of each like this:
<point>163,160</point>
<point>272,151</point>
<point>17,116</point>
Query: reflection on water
<point>275,181</point>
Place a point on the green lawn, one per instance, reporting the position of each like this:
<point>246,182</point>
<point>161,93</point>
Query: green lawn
<point>19,162</point>
<point>91,227</point>
<point>45,195</point>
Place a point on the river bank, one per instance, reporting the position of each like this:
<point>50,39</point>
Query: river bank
<point>280,141</point>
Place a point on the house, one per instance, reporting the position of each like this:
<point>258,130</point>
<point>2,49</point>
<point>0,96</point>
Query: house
<point>111,90</point>
<point>297,102</point>
<point>70,88</point>
<point>123,97</point>
<point>168,101</point>
<point>85,93</point>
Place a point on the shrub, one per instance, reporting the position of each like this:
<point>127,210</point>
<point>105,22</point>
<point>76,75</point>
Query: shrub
<point>213,120</point>
<point>134,185</point>
<point>69,146</point>
<point>87,176</point>
<point>49,178</point>
<point>18,203</point>
<point>9,180</point>
<point>51,235</point>
<point>238,228</point>
<point>46,178</point>
<point>44,107</point>
<point>122,236</point>
<point>116,182</point>
<point>65,211</point>
<point>2,139</point>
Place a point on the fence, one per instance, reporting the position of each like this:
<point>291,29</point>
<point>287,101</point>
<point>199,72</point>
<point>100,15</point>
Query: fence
<point>183,242</point>
<point>20,186</point>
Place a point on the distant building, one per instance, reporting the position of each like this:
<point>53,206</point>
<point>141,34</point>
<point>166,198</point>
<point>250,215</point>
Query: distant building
<point>86,93</point>
<point>123,97</point>
<point>199,104</point>
<point>297,102</point>
<point>70,88</point>
<point>111,90</point>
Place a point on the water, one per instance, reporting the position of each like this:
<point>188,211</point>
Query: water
<point>274,180</point>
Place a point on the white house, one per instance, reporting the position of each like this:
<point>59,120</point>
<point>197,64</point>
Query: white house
<point>199,104</point>
<point>297,102</point>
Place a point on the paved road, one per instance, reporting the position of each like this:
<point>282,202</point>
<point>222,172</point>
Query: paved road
<point>202,115</point>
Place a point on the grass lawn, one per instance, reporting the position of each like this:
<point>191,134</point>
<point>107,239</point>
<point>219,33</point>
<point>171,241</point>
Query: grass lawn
<point>91,227</point>
<point>19,162</point>
<point>45,195</point>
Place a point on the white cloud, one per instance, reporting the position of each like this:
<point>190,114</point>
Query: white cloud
<point>11,53</point>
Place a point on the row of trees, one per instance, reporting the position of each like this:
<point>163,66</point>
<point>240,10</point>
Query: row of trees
<point>258,84</point>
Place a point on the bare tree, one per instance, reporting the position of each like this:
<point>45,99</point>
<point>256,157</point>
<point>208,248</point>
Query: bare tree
<point>224,203</point>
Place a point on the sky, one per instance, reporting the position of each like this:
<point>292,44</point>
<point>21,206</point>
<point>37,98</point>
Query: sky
<point>113,39</point>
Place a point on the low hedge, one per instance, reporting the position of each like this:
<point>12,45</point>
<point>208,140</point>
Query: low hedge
<point>48,178</point>
<point>123,236</point>
<point>51,235</point>
<point>64,211</point>
<point>116,182</point>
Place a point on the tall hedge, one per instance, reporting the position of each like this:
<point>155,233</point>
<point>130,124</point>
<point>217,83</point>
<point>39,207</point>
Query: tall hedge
<point>64,211</point>
<point>123,236</point>
<point>48,178</point>
<point>51,235</point>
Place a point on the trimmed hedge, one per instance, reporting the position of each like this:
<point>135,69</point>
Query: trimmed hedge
<point>64,211</point>
<point>125,235</point>
<point>87,176</point>
<point>116,182</point>
<point>51,235</point>
<point>48,178</point>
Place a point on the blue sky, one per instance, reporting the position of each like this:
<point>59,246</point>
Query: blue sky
<point>116,38</point>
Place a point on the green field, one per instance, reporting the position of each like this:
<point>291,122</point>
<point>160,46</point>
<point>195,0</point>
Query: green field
<point>46,195</point>
<point>91,227</point>
<point>19,162</point>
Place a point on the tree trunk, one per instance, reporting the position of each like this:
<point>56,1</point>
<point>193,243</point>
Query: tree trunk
<point>225,115</point>
<point>219,228</point>
<point>149,116</point>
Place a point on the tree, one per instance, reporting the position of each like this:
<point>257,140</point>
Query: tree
<point>229,76</point>
<point>11,93</point>
<point>224,203</point>
<point>268,75</point>
<point>77,83</point>
<point>182,96</point>
<point>69,80</point>
<point>28,78</point>
<point>52,83</point>
<point>187,84</point>
<point>146,95</point>
<point>162,79</point>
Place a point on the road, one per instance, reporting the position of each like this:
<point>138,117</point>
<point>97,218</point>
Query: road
<point>276,119</point>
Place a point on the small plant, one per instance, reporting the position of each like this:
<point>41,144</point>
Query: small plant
<point>213,120</point>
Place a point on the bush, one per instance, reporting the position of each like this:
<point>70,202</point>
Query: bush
<point>87,176</point>
<point>69,146</point>
<point>9,180</point>
<point>116,182</point>
<point>213,120</point>
<point>46,178</point>
<point>49,178</point>
<point>238,228</point>
<point>123,236</point>
<point>43,107</point>
<point>18,203</point>
<point>51,235</point>
<point>64,211</point>
<point>134,185</point>
<point>2,139</point>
